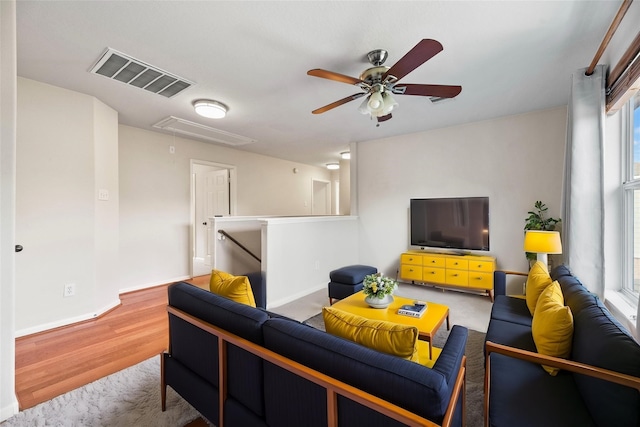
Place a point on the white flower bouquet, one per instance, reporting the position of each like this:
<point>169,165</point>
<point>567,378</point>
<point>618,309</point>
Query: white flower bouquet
<point>377,286</point>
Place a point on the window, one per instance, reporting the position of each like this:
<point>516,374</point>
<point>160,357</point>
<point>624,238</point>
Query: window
<point>631,188</point>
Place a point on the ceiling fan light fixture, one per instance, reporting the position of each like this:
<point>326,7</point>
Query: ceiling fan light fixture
<point>389,103</point>
<point>364,108</point>
<point>333,166</point>
<point>210,108</point>
<point>375,103</point>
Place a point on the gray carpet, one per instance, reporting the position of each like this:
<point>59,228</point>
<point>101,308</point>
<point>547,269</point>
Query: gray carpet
<point>475,369</point>
<point>127,398</point>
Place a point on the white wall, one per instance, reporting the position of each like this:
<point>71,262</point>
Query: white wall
<point>345,187</point>
<point>8,87</point>
<point>299,253</point>
<point>155,199</point>
<point>513,160</point>
<point>67,148</point>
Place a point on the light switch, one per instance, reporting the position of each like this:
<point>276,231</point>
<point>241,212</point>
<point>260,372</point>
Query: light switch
<point>103,194</point>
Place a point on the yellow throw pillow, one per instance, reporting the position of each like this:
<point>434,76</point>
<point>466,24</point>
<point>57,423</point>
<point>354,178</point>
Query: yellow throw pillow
<point>552,325</point>
<point>386,337</point>
<point>537,281</point>
<point>236,288</point>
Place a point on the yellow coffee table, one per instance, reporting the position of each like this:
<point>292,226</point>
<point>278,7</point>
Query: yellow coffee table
<point>427,325</point>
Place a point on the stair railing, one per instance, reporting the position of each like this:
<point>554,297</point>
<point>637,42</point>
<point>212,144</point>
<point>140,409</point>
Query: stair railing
<point>228,236</point>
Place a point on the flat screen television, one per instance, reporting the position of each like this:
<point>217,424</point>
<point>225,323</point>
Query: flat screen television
<point>459,223</point>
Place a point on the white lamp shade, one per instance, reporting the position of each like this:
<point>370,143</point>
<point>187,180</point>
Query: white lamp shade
<point>389,103</point>
<point>364,108</point>
<point>376,103</point>
<point>542,242</point>
<point>333,166</point>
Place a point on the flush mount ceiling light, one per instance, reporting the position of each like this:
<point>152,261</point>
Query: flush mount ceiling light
<point>345,155</point>
<point>333,166</point>
<point>210,108</point>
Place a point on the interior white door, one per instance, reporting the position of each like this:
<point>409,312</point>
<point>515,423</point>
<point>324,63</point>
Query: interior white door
<point>321,198</point>
<point>211,199</point>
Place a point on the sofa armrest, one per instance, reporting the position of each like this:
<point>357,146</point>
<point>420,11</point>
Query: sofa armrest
<point>452,364</point>
<point>568,365</point>
<point>450,359</point>
<point>500,280</point>
<point>259,288</point>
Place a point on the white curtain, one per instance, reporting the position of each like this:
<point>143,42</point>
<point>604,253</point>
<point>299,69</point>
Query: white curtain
<point>583,199</point>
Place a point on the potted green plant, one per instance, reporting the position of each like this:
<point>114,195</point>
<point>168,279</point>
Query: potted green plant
<point>538,220</point>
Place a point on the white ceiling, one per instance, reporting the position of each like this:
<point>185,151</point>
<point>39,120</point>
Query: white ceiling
<point>509,57</point>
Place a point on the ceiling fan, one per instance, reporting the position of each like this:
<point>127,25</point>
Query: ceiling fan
<point>379,81</point>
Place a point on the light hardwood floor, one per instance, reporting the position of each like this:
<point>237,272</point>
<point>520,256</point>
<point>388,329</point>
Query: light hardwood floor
<point>54,362</point>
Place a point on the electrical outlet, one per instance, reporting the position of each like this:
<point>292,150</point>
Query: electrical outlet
<point>69,290</point>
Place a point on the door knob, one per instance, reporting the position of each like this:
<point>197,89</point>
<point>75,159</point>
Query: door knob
<point>19,248</point>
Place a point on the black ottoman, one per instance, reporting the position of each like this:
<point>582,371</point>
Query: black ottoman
<point>347,281</point>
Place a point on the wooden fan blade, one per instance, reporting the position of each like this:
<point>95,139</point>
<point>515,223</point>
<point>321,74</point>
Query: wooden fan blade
<point>384,118</point>
<point>421,53</point>
<point>441,91</point>
<point>324,74</point>
<point>338,103</point>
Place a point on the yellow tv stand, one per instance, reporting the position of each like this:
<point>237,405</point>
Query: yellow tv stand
<point>465,272</point>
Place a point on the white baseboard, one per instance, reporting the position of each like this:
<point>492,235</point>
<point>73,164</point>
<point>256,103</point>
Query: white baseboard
<point>93,315</point>
<point>153,284</point>
<point>67,321</point>
<point>294,297</point>
<point>9,410</point>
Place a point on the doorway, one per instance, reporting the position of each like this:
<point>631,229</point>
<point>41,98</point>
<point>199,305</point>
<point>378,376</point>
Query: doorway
<point>213,192</point>
<point>321,197</point>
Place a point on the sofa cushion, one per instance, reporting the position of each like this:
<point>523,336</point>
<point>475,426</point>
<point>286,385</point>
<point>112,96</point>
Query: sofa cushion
<point>576,296</point>
<point>386,337</point>
<point>511,309</point>
<point>537,280</point>
<point>236,288</point>
<point>417,388</point>
<point>560,271</point>
<point>511,334</point>
<point>524,395</point>
<point>600,340</point>
<point>552,325</point>
<point>198,350</point>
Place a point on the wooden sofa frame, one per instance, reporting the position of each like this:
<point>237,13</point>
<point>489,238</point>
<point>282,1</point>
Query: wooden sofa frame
<point>556,362</point>
<point>333,387</point>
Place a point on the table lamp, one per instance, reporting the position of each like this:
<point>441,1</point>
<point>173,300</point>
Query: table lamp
<point>542,243</point>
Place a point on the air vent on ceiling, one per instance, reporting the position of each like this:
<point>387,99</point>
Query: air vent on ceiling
<point>185,127</point>
<point>123,68</point>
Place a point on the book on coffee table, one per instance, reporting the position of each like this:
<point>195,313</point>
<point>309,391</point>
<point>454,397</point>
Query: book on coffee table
<point>413,310</point>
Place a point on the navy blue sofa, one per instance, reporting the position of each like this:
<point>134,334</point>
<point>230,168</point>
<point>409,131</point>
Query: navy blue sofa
<point>244,366</point>
<point>588,391</point>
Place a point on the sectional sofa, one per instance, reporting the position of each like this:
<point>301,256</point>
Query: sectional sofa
<point>244,366</point>
<point>597,385</point>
